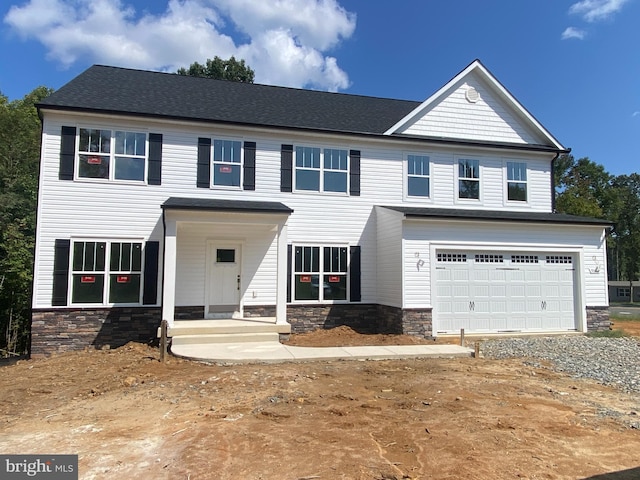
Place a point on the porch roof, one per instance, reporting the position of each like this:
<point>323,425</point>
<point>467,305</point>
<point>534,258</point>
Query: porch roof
<point>217,205</point>
<point>498,215</point>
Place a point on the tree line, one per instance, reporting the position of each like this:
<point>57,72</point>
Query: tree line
<point>583,188</point>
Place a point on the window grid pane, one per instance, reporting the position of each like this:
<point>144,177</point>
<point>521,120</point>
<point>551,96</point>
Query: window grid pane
<point>517,171</point>
<point>96,157</point>
<point>469,169</point>
<point>311,283</point>
<point>89,271</point>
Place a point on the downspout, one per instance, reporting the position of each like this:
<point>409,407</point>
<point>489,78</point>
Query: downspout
<point>553,182</point>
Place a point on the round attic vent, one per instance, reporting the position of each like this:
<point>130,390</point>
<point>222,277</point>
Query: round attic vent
<point>472,95</point>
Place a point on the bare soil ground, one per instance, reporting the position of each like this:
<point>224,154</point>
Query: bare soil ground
<point>129,416</point>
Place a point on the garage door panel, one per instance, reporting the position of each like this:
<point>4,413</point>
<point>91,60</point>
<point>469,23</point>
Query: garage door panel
<point>517,276</point>
<point>533,322</point>
<point>459,275</point>
<point>532,276</point>
<point>517,291</point>
<point>534,291</point>
<point>498,291</point>
<point>517,322</point>
<point>491,292</point>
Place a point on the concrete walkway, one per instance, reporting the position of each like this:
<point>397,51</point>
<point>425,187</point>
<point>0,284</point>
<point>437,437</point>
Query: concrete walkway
<point>275,352</point>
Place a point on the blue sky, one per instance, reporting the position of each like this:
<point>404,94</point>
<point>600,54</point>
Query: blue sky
<point>575,64</point>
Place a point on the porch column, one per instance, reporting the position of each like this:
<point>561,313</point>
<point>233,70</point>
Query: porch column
<point>169,277</point>
<point>281,295</point>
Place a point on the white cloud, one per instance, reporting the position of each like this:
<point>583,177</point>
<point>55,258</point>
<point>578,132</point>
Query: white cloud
<point>286,40</point>
<point>572,32</point>
<point>635,114</point>
<point>595,10</point>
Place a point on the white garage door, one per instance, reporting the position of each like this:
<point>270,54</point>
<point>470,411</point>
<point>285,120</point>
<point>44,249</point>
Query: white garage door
<point>504,292</point>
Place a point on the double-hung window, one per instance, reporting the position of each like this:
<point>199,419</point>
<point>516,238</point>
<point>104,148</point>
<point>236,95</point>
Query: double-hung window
<point>469,179</point>
<point>517,181</point>
<point>112,154</point>
<point>321,170</point>
<point>417,176</point>
<point>106,272</point>
<point>320,273</point>
<point>227,163</point>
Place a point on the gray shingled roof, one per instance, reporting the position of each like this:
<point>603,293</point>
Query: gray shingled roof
<point>217,205</point>
<point>500,215</point>
<point>120,90</point>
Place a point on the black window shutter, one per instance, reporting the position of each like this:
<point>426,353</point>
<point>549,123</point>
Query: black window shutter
<point>286,168</point>
<point>60,272</point>
<point>289,255</point>
<point>204,163</point>
<point>354,173</point>
<point>354,275</point>
<point>249,166</point>
<point>154,172</point>
<point>67,153</point>
<point>150,289</point>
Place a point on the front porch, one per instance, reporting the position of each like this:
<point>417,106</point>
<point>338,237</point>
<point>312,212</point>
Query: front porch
<point>225,269</point>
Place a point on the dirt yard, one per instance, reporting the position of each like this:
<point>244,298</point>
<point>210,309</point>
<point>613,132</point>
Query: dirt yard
<point>129,416</point>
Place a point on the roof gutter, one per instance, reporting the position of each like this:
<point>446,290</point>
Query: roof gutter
<point>369,135</point>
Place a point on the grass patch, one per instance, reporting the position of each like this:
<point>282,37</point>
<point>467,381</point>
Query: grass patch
<point>625,317</point>
<point>607,334</point>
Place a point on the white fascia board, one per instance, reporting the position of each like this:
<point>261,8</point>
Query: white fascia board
<point>496,85</point>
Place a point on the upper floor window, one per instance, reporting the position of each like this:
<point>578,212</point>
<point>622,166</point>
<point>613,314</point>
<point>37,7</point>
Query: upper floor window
<point>517,181</point>
<point>417,176</point>
<point>469,179</point>
<point>112,155</point>
<point>227,163</point>
<point>106,272</point>
<point>321,170</point>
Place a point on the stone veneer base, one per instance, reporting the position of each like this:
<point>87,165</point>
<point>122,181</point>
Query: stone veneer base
<point>598,319</point>
<point>365,318</point>
<point>65,329</point>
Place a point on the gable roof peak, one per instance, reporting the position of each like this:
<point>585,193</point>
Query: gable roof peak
<point>476,67</point>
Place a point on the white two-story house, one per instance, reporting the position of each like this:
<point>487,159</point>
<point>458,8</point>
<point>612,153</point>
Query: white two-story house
<point>171,197</point>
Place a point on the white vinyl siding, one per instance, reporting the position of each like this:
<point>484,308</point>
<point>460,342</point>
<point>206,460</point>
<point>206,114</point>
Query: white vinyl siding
<point>580,241</point>
<point>389,259</point>
<point>488,119</point>
<point>259,261</point>
<point>119,210</point>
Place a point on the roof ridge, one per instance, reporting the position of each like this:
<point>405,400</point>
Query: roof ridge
<point>264,85</point>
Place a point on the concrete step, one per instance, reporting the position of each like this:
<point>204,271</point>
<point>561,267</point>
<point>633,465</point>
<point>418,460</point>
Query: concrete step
<point>212,338</point>
<point>224,327</point>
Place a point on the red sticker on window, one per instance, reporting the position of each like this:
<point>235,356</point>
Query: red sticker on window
<point>94,160</point>
<point>334,279</point>
<point>224,169</point>
<point>87,279</point>
<point>305,278</point>
<point>123,279</point>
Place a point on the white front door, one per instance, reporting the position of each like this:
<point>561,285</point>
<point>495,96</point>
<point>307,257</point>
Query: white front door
<point>223,281</point>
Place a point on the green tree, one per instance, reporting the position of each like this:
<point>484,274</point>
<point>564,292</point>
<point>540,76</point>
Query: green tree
<point>625,237</point>
<point>232,69</point>
<point>586,188</point>
<point>583,187</point>
<point>19,161</point>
